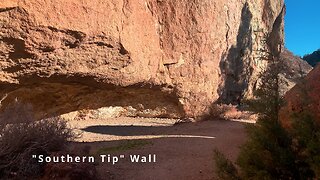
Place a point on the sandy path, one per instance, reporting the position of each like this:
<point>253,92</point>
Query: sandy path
<point>184,151</point>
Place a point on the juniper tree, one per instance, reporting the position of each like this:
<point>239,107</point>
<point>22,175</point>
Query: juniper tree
<point>272,151</point>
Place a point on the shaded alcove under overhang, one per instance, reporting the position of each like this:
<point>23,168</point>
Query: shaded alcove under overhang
<point>60,95</point>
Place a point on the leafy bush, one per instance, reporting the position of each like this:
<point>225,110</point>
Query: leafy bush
<point>21,136</point>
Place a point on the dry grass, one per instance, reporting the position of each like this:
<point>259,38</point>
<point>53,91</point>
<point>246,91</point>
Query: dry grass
<point>21,137</point>
<point>228,112</point>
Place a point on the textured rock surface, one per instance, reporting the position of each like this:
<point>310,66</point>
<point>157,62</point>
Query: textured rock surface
<point>178,55</point>
<point>304,96</point>
<point>294,69</point>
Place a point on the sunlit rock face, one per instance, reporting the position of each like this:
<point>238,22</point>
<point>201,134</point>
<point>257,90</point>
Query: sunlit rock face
<point>173,58</point>
<point>293,70</point>
<point>304,97</point>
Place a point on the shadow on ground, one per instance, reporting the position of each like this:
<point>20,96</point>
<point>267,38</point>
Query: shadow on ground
<point>130,130</point>
<point>136,130</point>
<point>177,158</point>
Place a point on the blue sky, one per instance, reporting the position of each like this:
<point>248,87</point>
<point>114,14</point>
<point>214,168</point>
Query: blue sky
<point>302,26</point>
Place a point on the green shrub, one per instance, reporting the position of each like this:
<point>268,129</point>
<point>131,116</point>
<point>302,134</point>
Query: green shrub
<point>271,151</point>
<point>224,167</point>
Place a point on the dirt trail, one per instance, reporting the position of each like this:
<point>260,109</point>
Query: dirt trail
<point>183,151</point>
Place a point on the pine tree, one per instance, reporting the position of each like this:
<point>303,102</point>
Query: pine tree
<point>267,153</point>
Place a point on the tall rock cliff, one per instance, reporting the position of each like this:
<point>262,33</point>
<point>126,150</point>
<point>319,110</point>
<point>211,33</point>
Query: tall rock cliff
<point>170,57</point>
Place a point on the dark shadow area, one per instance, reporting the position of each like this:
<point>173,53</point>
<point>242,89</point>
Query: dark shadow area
<point>19,48</point>
<point>275,40</point>
<point>130,130</point>
<point>6,9</point>
<point>234,62</point>
<point>194,129</point>
<point>313,59</point>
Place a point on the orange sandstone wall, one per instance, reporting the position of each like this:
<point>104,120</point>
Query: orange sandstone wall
<point>187,54</point>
